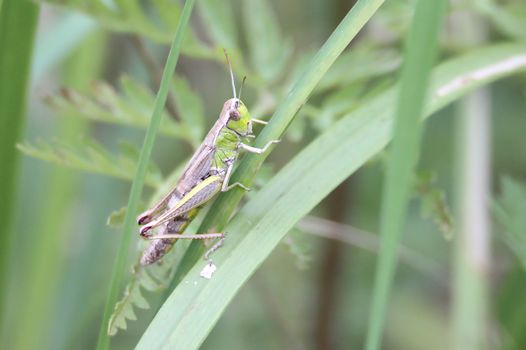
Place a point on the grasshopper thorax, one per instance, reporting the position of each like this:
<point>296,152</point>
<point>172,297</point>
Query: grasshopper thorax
<point>238,117</point>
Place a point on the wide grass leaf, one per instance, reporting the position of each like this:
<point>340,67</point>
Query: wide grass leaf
<point>196,304</point>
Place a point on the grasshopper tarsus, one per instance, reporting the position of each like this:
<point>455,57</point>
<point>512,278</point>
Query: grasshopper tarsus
<point>215,247</point>
<point>259,121</point>
<point>256,150</point>
<point>272,142</point>
<point>236,184</point>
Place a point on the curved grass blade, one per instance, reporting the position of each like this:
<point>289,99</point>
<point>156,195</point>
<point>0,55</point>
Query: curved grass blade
<point>224,206</point>
<point>191,311</point>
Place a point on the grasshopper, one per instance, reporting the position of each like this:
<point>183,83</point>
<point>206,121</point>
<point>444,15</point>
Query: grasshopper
<point>206,174</point>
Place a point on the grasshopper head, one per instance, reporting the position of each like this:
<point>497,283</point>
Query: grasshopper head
<point>239,117</point>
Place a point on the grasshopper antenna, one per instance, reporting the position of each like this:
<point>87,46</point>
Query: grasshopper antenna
<point>231,74</point>
<point>241,88</point>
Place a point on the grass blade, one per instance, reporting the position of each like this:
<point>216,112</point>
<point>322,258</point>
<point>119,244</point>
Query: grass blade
<point>18,20</point>
<point>225,205</point>
<point>44,262</point>
<point>419,58</point>
<point>119,269</point>
<point>191,311</point>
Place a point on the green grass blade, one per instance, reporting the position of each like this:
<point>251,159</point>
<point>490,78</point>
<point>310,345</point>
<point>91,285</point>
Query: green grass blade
<point>44,260</point>
<point>120,267</point>
<point>18,20</point>
<point>225,205</point>
<point>191,311</point>
<point>419,58</point>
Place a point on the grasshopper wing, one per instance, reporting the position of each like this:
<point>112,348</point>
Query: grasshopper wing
<point>199,165</point>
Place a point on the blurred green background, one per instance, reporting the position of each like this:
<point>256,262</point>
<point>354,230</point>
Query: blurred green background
<point>85,123</point>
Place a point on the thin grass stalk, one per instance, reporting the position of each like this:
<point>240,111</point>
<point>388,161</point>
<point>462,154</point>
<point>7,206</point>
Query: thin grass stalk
<point>471,258</point>
<point>471,249</point>
<point>18,21</point>
<point>403,156</point>
<point>59,185</point>
<point>120,267</point>
<point>224,206</point>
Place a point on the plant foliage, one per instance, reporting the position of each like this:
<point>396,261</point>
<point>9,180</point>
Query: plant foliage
<point>360,80</point>
<point>510,211</point>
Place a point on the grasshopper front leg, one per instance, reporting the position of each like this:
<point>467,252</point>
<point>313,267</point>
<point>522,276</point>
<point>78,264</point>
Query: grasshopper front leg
<point>257,150</point>
<point>202,236</point>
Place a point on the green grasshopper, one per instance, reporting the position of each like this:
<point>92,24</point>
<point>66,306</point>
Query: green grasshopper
<point>206,174</point>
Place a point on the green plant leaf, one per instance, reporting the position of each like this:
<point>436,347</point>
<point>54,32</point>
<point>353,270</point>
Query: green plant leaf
<point>433,203</point>
<point>510,210</point>
<point>419,58</point>
<point>269,51</point>
<point>18,21</point>
<point>225,205</point>
<point>510,21</point>
<point>158,23</point>
<point>152,278</point>
<point>195,305</point>
<point>104,104</point>
<point>356,66</point>
<point>116,218</point>
<point>92,157</point>
<point>190,109</point>
<point>220,23</point>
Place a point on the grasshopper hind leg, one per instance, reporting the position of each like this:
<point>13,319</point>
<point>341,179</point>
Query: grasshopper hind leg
<point>210,267</point>
<point>180,236</point>
<point>159,248</point>
<point>213,248</point>
<point>172,237</point>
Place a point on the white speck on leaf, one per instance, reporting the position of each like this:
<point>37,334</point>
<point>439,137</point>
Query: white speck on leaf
<point>208,271</point>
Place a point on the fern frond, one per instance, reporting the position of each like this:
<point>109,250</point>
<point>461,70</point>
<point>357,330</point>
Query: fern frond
<point>156,20</point>
<point>124,309</point>
<point>433,203</point>
<point>132,107</point>
<point>149,278</point>
<point>92,157</point>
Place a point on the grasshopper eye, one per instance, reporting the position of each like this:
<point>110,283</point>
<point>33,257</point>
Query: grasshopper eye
<point>235,115</point>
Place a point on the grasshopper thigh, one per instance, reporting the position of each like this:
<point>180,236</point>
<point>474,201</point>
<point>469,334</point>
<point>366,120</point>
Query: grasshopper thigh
<point>199,195</point>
